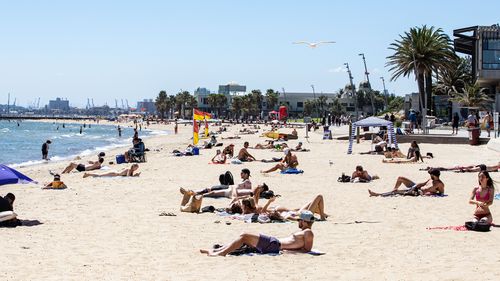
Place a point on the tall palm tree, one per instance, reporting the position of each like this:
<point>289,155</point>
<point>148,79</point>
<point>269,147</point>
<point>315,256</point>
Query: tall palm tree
<point>257,98</point>
<point>221,101</point>
<point>212,100</point>
<point>236,105</point>
<point>473,96</point>
<point>161,103</point>
<point>421,51</point>
<point>459,74</point>
<point>271,99</point>
<point>322,99</point>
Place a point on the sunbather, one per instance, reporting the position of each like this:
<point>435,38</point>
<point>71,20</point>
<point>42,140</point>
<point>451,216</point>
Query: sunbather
<point>482,196</point>
<point>229,150</point>
<point>56,183</point>
<point>433,186</point>
<point>290,161</point>
<point>316,206</point>
<point>243,155</point>
<point>468,168</point>
<point>130,172</point>
<point>268,145</point>
<point>82,167</point>
<point>299,148</point>
<point>414,159</point>
<point>219,158</point>
<point>301,240</point>
<point>7,216</point>
<point>393,153</point>
<point>360,175</point>
<point>230,191</point>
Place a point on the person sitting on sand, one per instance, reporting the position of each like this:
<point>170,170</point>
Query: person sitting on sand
<point>243,155</point>
<point>55,184</point>
<point>316,206</point>
<point>289,162</point>
<point>137,148</point>
<point>82,167</point>
<point>130,172</point>
<point>379,147</point>
<point>7,216</point>
<point>294,132</point>
<point>191,202</point>
<point>229,150</point>
<point>301,241</point>
<point>229,190</point>
<point>268,145</point>
<point>433,186</point>
<point>300,148</point>
<point>482,196</point>
<point>219,158</point>
<point>414,148</point>
<point>360,175</point>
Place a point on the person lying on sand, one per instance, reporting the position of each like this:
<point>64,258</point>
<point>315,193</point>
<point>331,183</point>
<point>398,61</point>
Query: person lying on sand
<point>301,241</point>
<point>416,156</point>
<point>316,206</point>
<point>289,162</point>
<point>130,172</point>
<point>467,169</point>
<point>360,175</point>
<point>432,186</point>
<point>231,138</point>
<point>219,158</point>
<point>82,167</point>
<point>243,155</point>
<point>7,216</point>
<point>380,145</point>
<point>300,148</point>
<point>56,183</point>
<point>268,145</point>
<point>227,190</point>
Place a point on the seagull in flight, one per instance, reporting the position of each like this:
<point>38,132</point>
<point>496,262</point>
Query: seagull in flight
<point>314,45</point>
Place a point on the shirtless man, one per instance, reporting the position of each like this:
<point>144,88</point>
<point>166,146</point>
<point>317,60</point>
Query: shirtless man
<point>82,168</point>
<point>130,172</point>
<point>301,241</point>
<point>360,175</point>
<point>290,161</point>
<point>243,155</point>
<point>432,186</point>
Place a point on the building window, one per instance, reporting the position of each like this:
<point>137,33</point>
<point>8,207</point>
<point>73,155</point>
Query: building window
<point>300,104</point>
<point>491,54</point>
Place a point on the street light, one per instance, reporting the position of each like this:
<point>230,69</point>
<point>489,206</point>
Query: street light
<point>353,89</point>
<point>385,93</point>
<point>314,101</point>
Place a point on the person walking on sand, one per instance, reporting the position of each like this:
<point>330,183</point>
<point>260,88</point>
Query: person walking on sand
<point>45,150</point>
<point>300,241</point>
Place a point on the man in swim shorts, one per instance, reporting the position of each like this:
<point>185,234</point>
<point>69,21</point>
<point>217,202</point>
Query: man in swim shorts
<point>82,168</point>
<point>243,155</point>
<point>430,187</point>
<point>301,241</point>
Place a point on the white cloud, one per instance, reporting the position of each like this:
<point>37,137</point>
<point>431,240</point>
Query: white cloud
<point>337,69</point>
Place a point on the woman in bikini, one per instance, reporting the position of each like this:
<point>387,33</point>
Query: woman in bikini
<point>130,172</point>
<point>219,158</point>
<point>414,159</point>
<point>482,196</point>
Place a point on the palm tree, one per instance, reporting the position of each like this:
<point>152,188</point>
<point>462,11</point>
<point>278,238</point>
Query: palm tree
<point>337,108</point>
<point>308,107</point>
<point>212,100</point>
<point>161,103</point>
<point>257,98</point>
<point>421,51</point>
<point>322,99</point>
<point>459,74</point>
<point>191,103</point>
<point>221,101</point>
<point>271,99</point>
<point>473,96</point>
<point>236,105</point>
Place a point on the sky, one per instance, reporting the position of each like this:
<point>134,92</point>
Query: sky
<point>107,50</point>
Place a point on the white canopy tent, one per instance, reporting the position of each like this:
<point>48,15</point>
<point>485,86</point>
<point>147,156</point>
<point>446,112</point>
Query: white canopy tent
<point>373,122</point>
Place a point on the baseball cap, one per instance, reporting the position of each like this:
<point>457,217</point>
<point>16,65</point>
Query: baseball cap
<point>434,172</point>
<point>307,216</point>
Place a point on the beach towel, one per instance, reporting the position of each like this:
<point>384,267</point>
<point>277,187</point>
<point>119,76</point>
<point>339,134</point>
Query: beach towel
<point>456,228</point>
<point>292,171</point>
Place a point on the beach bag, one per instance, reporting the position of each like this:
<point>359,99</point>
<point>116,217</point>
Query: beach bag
<point>477,226</point>
<point>120,158</point>
<point>344,178</point>
<point>226,178</point>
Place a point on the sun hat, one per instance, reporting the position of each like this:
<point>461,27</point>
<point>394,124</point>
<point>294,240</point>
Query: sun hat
<point>307,216</point>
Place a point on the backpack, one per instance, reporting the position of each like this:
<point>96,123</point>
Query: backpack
<point>344,178</point>
<point>477,226</point>
<point>226,178</point>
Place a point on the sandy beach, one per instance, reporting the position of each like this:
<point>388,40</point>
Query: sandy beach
<point>110,228</point>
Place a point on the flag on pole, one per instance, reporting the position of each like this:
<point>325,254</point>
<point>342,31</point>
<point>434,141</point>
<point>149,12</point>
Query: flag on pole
<point>200,115</point>
<point>195,132</point>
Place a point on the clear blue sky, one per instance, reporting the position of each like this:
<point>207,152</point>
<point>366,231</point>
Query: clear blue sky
<point>133,49</point>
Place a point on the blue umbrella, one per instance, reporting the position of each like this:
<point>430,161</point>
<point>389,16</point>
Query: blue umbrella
<point>11,176</point>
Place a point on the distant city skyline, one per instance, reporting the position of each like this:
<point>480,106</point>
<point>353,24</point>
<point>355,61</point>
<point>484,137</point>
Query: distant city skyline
<point>109,50</point>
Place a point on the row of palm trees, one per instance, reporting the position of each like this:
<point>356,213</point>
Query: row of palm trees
<point>427,53</point>
<point>183,103</point>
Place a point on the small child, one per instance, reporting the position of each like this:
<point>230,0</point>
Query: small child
<point>56,184</point>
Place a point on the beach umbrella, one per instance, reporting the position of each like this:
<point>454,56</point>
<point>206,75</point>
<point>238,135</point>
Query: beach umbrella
<point>11,176</point>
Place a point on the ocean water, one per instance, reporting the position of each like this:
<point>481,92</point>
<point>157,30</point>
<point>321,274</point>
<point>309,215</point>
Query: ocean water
<point>22,144</point>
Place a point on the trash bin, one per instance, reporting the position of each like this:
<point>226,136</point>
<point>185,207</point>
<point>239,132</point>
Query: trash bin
<point>474,136</point>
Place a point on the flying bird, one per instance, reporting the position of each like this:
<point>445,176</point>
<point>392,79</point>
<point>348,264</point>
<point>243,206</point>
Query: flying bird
<point>314,45</point>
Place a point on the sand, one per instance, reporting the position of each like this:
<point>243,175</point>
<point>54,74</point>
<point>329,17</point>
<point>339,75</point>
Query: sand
<point>110,228</point>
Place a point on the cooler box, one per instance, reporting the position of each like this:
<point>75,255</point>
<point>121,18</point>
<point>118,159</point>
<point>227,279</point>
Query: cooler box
<point>120,158</point>
<point>196,151</point>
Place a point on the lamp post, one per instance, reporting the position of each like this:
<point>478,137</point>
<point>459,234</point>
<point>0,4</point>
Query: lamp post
<point>353,89</point>
<point>314,101</point>
<point>368,81</point>
<point>385,93</point>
